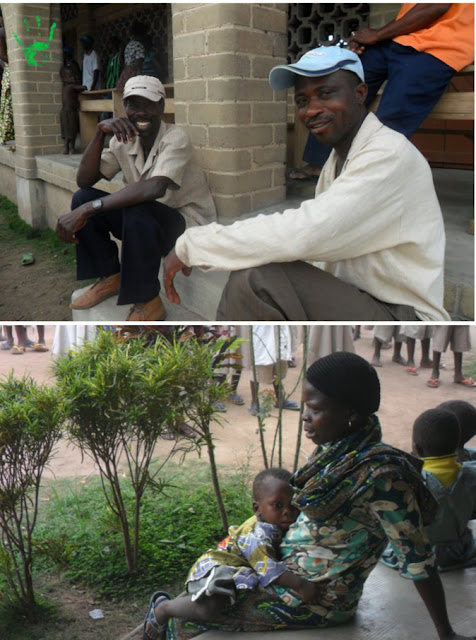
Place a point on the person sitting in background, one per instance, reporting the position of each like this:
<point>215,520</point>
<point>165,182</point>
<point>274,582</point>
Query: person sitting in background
<point>436,437</point>
<point>417,54</point>
<point>134,54</point>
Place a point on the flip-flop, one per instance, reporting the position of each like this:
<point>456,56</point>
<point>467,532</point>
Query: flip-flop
<point>302,176</point>
<point>27,258</point>
<point>434,383</point>
<point>18,351</point>
<point>288,404</point>
<point>235,398</point>
<point>158,596</point>
<point>467,382</point>
<point>6,346</point>
<point>411,371</point>
<point>253,410</point>
<point>38,346</point>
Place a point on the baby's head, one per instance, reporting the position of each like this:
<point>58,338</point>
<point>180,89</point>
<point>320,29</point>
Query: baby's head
<point>435,433</point>
<point>272,496</point>
<point>466,415</point>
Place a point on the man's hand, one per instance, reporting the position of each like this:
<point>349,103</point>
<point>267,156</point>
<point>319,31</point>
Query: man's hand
<point>362,38</point>
<point>69,223</point>
<point>122,128</point>
<point>172,265</point>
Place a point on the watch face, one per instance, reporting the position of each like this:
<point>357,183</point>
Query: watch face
<point>97,204</point>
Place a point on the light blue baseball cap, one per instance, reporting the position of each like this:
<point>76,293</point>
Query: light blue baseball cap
<point>314,64</point>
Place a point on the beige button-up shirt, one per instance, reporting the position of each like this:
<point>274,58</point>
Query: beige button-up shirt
<point>172,156</point>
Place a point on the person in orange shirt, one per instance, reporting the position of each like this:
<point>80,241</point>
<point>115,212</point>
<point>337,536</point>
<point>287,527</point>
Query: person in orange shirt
<point>417,53</point>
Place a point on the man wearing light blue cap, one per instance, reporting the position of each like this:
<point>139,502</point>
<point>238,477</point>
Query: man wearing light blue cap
<point>368,246</point>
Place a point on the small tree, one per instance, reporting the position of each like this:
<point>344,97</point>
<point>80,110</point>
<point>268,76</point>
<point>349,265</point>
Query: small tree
<point>204,387</point>
<point>121,397</point>
<point>30,424</point>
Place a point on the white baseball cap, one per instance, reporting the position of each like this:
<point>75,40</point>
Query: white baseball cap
<point>145,86</point>
<point>316,63</point>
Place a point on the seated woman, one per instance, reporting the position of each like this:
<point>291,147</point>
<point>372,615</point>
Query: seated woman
<point>355,494</point>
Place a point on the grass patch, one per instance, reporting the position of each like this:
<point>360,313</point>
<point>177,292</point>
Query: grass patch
<point>15,230</point>
<point>80,537</point>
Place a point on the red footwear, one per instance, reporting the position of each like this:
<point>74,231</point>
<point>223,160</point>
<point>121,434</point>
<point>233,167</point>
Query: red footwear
<point>101,290</point>
<point>434,383</point>
<point>411,371</point>
<point>467,382</point>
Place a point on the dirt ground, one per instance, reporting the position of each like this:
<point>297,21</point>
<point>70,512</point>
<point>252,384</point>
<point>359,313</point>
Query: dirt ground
<point>403,398</point>
<point>39,291</point>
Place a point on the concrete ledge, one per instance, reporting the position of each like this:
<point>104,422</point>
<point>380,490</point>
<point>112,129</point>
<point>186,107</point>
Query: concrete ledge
<point>390,609</point>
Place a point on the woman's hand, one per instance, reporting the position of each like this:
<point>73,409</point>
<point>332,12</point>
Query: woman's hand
<point>310,592</point>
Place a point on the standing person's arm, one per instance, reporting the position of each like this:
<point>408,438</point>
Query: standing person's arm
<point>419,16</point>
<point>432,593</point>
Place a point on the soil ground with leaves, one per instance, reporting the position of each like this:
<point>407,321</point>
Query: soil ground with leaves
<point>38,291</point>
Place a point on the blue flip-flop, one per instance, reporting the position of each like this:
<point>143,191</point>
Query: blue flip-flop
<point>157,596</point>
<point>289,404</point>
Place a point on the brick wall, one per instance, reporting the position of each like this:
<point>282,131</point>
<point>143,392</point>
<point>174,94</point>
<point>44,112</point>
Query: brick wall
<point>222,57</point>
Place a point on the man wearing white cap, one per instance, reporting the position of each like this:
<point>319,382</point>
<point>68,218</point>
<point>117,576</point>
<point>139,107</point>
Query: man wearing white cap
<point>165,191</point>
<point>369,245</point>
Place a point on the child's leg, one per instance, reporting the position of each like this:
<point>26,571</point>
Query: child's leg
<point>254,386</point>
<point>397,353</point>
<point>425,353</point>
<point>434,381</point>
<point>376,362</point>
<point>458,358</point>
<point>411,352</point>
<point>205,609</point>
<point>41,333</point>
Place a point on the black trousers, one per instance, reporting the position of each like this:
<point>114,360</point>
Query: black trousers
<point>148,231</point>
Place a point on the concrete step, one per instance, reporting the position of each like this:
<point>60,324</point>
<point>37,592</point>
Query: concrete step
<point>201,292</point>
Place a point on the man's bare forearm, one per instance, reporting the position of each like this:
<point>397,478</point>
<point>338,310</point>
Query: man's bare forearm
<point>88,172</point>
<point>419,17</point>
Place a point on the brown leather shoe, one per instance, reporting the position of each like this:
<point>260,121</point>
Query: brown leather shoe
<point>152,310</point>
<point>102,289</point>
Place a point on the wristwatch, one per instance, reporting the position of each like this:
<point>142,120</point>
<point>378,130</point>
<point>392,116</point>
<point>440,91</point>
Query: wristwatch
<point>97,205</point>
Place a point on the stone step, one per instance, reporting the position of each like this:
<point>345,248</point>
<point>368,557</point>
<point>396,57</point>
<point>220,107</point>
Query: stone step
<point>201,292</point>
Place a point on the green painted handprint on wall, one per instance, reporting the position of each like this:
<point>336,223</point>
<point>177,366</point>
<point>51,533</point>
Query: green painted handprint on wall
<point>32,50</point>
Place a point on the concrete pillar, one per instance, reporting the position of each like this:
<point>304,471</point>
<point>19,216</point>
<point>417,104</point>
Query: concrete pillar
<point>35,61</point>
<point>222,57</point>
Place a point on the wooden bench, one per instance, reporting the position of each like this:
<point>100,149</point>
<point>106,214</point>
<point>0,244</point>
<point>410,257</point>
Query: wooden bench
<point>93,103</point>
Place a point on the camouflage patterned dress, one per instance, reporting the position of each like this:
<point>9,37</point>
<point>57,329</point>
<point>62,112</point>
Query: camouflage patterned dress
<point>6,108</point>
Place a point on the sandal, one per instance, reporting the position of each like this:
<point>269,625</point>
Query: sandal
<point>411,371</point>
<point>158,596</point>
<point>253,410</point>
<point>18,351</point>
<point>38,346</point>
<point>288,404</point>
<point>235,398</point>
<point>6,346</point>
<point>434,383</point>
<point>466,382</point>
